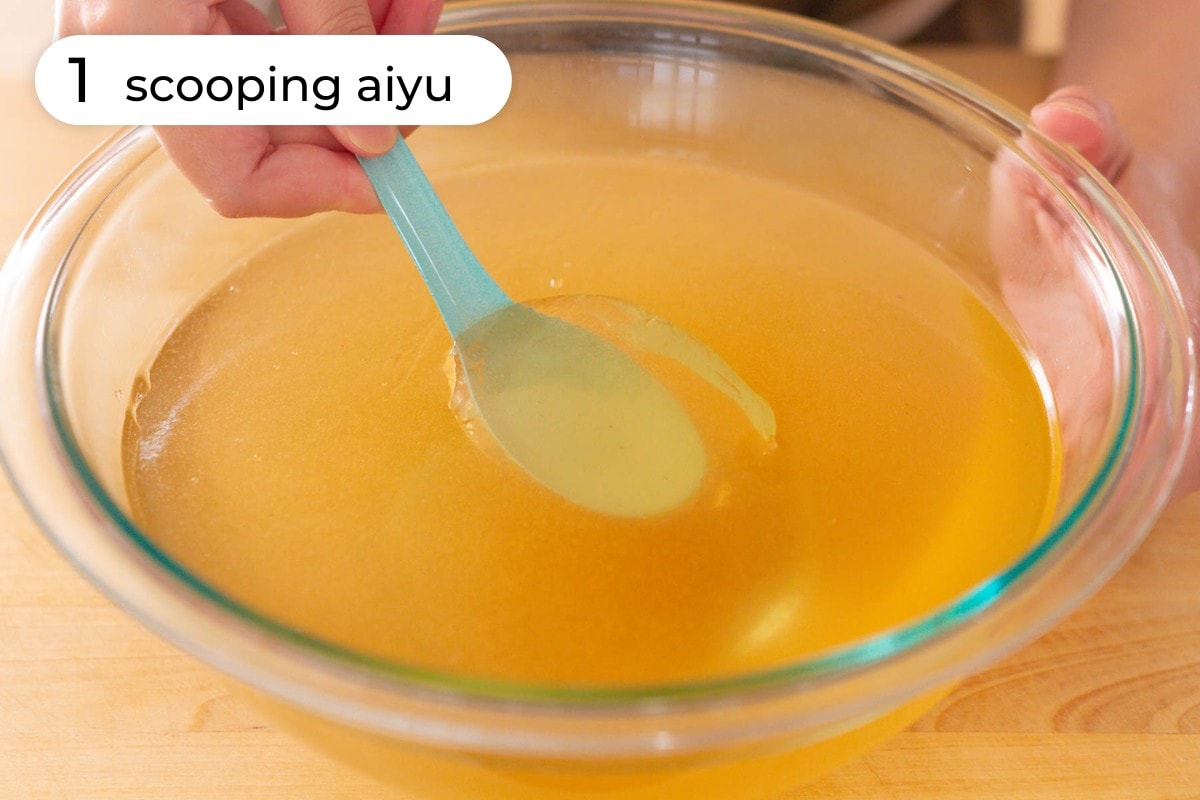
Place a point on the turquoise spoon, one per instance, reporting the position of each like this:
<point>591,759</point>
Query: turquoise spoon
<point>574,411</point>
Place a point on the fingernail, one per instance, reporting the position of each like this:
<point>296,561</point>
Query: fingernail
<point>1081,107</point>
<point>1067,100</point>
<point>371,140</point>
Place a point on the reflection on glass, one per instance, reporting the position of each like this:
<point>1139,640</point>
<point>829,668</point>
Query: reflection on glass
<point>676,92</point>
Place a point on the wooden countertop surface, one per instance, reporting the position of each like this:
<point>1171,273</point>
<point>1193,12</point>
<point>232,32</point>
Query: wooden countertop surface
<point>93,707</point>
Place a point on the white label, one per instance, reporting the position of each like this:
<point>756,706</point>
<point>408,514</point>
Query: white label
<point>273,80</point>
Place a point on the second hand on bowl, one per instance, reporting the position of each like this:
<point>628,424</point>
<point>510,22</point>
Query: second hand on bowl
<point>574,411</point>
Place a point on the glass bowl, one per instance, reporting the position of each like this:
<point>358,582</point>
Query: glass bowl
<point>125,248</point>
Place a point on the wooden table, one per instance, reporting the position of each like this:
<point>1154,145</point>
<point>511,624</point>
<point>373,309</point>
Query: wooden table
<point>93,707</point>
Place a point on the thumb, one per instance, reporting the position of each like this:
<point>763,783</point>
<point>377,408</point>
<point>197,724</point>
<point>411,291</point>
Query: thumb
<point>327,16</point>
<point>1079,118</point>
<point>341,17</point>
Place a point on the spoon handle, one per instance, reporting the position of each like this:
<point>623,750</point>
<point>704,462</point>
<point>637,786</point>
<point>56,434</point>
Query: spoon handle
<point>463,290</point>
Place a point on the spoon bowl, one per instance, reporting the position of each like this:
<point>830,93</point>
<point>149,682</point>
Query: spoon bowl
<point>575,411</point>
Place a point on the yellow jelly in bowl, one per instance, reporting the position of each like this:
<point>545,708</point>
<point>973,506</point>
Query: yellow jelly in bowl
<point>244,432</point>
